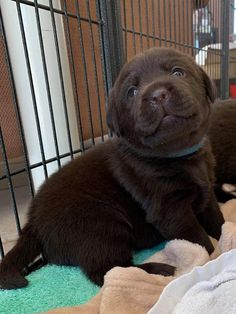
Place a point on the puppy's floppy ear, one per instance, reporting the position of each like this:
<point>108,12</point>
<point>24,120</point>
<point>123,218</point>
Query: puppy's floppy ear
<point>209,86</point>
<point>112,114</point>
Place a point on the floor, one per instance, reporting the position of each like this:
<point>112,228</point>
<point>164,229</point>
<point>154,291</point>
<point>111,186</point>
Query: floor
<point>8,230</point>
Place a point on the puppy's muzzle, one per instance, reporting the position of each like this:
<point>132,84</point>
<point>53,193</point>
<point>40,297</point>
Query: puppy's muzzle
<point>159,101</point>
<point>152,109</point>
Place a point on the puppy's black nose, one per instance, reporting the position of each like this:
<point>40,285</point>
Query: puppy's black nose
<point>160,96</point>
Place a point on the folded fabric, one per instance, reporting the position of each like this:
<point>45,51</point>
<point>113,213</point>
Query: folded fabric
<point>213,297</point>
<point>208,289</point>
<point>129,290</point>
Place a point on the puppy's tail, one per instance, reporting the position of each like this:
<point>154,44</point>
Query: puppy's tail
<point>14,264</point>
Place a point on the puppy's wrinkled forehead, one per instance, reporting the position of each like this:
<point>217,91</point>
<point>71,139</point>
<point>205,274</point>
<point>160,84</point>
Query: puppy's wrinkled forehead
<point>157,61</point>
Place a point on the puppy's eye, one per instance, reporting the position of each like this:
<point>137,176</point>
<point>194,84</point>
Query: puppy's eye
<point>178,72</point>
<point>132,92</point>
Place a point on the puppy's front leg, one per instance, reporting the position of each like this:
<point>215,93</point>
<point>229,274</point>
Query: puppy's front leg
<point>212,218</point>
<point>177,221</point>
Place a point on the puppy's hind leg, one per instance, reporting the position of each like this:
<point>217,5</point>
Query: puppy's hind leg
<point>12,266</point>
<point>123,258</point>
<point>112,251</point>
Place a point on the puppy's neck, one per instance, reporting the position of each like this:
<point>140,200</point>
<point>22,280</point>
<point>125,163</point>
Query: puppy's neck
<point>187,151</point>
<point>184,153</point>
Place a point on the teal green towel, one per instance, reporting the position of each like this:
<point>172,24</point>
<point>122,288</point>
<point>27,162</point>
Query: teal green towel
<point>54,286</point>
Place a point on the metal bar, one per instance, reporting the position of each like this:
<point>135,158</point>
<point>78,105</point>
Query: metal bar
<point>179,43</point>
<point>132,19</point>
<point>47,8</point>
<point>170,19</point>
<point>140,25</point>
<point>61,78</point>
<point>200,33</point>
<point>45,72</point>
<point>153,23</point>
<point>219,38</point>
<point>212,41</point>
<point>167,40</point>
<point>16,105</point>
<point>188,21</point>
<point>31,86</point>
<point>48,161</point>
<point>10,184</point>
<point>74,81</point>
<point>147,23</point>
<point>1,249</point>
<point>125,26</point>
<point>101,9</point>
<point>114,22</point>
<point>111,16</point>
<point>111,38</point>
<point>184,16</point>
<point>224,83</point>
<point>95,70</point>
<point>175,26</point>
<point>81,41</point>
<point>195,36</point>
<point>159,25</point>
<point>104,51</point>
<point>105,45</point>
<point>165,35</point>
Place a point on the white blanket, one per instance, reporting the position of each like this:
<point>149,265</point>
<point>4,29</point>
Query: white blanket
<point>208,289</point>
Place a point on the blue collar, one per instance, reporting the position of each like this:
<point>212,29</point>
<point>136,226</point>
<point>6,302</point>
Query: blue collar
<point>187,151</point>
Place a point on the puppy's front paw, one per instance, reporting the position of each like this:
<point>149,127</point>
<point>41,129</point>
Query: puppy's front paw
<point>227,240</point>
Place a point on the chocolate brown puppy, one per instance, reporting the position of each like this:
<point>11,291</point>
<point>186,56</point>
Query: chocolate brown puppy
<point>222,134</point>
<point>152,181</point>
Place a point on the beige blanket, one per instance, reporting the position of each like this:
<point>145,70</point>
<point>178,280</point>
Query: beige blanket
<point>132,290</point>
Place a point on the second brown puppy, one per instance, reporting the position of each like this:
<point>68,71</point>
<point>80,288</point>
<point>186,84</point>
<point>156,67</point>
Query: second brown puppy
<point>222,135</point>
<point>152,181</point>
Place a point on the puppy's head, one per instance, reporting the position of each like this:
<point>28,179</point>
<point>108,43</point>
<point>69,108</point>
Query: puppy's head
<point>160,102</point>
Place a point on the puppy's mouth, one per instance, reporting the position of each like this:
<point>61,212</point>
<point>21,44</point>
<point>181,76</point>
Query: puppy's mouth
<point>170,118</point>
<point>170,128</point>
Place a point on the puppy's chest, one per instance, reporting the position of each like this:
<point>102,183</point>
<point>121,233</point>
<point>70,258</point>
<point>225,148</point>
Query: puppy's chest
<point>152,188</point>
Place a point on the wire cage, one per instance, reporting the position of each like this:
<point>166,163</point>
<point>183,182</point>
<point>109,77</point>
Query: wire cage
<point>58,60</point>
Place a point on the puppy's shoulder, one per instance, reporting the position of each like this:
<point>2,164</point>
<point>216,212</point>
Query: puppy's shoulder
<point>99,151</point>
<point>94,155</point>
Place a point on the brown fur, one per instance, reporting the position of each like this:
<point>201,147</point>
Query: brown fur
<point>125,193</point>
<point>222,134</point>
